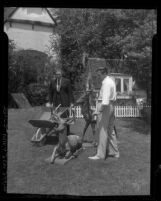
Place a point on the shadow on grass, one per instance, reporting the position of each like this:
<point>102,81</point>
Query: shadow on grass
<point>139,125</point>
<point>53,140</point>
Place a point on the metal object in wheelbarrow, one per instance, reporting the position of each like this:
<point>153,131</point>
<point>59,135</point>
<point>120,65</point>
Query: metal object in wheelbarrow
<point>41,123</point>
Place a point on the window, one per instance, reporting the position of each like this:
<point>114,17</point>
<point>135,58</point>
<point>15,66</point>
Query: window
<point>126,84</point>
<point>118,84</point>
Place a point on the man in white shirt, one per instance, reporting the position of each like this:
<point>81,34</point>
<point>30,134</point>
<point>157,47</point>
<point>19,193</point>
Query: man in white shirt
<point>107,145</point>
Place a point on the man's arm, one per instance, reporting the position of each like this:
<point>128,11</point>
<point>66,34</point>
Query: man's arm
<point>105,96</point>
<point>51,92</point>
<point>70,93</point>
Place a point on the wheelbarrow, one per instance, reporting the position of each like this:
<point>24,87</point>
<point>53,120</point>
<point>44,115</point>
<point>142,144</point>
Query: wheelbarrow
<point>48,122</point>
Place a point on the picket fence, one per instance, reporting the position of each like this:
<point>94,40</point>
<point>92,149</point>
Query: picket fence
<point>120,111</point>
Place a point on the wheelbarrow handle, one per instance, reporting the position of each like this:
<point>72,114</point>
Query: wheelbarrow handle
<point>54,109</point>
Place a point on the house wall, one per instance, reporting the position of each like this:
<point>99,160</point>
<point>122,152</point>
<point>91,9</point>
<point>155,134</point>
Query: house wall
<point>27,37</point>
<point>33,14</point>
<point>122,78</point>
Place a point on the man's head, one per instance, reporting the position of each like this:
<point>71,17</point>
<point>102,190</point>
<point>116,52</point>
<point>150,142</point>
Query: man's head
<point>89,91</point>
<point>58,73</point>
<point>57,66</point>
<point>102,72</point>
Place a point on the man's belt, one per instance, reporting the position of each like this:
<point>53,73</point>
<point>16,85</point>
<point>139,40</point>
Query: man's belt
<point>111,101</point>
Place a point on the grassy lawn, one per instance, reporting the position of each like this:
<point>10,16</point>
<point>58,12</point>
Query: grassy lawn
<point>29,173</point>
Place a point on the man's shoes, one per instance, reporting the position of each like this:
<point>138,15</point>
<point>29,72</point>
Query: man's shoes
<point>94,157</point>
<point>114,156</point>
<point>95,144</point>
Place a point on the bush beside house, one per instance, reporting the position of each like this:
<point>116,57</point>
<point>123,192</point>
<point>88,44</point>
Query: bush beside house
<point>28,72</point>
<point>37,94</point>
<point>146,114</point>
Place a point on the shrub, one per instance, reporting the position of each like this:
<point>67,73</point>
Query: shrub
<point>146,113</point>
<point>125,102</point>
<point>37,94</point>
<point>26,67</point>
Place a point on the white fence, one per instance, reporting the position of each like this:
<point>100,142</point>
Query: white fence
<point>120,111</point>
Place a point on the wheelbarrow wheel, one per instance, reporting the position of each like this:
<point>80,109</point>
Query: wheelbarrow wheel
<point>39,138</point>
<point>42,142</point>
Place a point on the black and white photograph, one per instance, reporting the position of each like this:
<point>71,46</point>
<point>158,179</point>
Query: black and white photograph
<point>79,100</point>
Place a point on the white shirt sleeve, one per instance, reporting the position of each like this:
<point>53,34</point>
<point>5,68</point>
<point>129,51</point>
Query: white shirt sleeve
<point>105,93</point>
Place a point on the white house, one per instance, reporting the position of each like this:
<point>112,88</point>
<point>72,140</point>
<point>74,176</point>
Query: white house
<point>124,85</point>
<point>124,82</point>
<point>30,28</point>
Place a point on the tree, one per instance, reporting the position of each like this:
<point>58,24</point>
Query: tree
<point>109,34</point>
<point>26,67</point>
<point>14,73</point>
<point>140,48</point>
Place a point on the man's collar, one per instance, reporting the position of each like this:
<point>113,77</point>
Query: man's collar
<point>105,77</point>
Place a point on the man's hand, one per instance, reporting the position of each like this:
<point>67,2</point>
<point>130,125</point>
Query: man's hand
<point>101,108</point>
<point>49,105</point>
<point>71,105</point>
<point>95,113</point>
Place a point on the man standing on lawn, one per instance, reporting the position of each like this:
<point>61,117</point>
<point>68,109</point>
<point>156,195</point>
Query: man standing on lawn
<point>60,92</point>
<point>107,145</point>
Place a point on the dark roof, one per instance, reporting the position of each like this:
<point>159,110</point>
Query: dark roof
<point>95,63</point>
<point>9,11</point>
<point>119,74</point>
<point>54,20</point>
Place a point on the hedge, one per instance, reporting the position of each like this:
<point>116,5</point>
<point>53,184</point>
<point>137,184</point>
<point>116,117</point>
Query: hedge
<point>37,94</point>
<point>146,113</point>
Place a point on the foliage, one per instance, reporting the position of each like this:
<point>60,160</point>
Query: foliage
<point>146,114</point>
<point>27,66</point>
<point>36,94</point>
<point>107,33</point>
<point>14,73</point>
<point>29,72</point>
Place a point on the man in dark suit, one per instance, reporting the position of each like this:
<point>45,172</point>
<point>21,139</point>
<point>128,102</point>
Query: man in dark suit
<point>60,92</point>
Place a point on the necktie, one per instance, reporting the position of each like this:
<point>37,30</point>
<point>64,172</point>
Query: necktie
<point>58,84</point>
